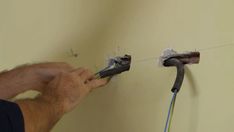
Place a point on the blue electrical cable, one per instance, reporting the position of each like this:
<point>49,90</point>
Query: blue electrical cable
<point>170,110</point>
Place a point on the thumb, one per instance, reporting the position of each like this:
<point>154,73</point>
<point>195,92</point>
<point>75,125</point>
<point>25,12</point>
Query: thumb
<point>96,83</point>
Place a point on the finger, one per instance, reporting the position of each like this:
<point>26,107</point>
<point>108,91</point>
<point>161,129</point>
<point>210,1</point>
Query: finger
<point>96,83</point>
<point>87,75</point>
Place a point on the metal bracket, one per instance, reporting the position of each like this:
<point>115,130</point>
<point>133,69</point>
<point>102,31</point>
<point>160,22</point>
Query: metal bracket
<point>115,66</point>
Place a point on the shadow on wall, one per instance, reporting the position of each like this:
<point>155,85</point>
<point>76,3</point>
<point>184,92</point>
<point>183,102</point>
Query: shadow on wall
<point>194,101</point>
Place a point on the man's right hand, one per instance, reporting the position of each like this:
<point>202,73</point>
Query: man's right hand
<point>68,89</point>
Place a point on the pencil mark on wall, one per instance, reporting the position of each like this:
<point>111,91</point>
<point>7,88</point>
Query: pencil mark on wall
<point>74,54</point>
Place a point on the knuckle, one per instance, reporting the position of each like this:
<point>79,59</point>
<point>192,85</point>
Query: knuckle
<point>77,71</point>
<point>63,74</point>
<point>90,72</point>
<point>82,68</point>
<point>67,76</point>
<point>74,76</point>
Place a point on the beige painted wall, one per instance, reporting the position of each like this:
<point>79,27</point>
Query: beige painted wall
<point>34,31</point>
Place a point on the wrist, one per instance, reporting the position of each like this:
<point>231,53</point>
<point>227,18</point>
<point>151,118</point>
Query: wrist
<point>39,114</point>
<point>42,74</point>
<point>56,108</point>
<point>45,72</point>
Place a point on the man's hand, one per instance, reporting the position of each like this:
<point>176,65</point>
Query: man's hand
<point>68,89</point>
<point>60,96</point>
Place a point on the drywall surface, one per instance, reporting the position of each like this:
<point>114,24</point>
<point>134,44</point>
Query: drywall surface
<point>137,101</point>
<point>32,30</point>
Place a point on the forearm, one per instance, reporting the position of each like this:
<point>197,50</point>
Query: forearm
<point>39,114</point>
<point>29,77</point>
<point>16,81</point>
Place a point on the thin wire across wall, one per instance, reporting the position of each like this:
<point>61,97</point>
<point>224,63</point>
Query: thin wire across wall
<point>201,50</point>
